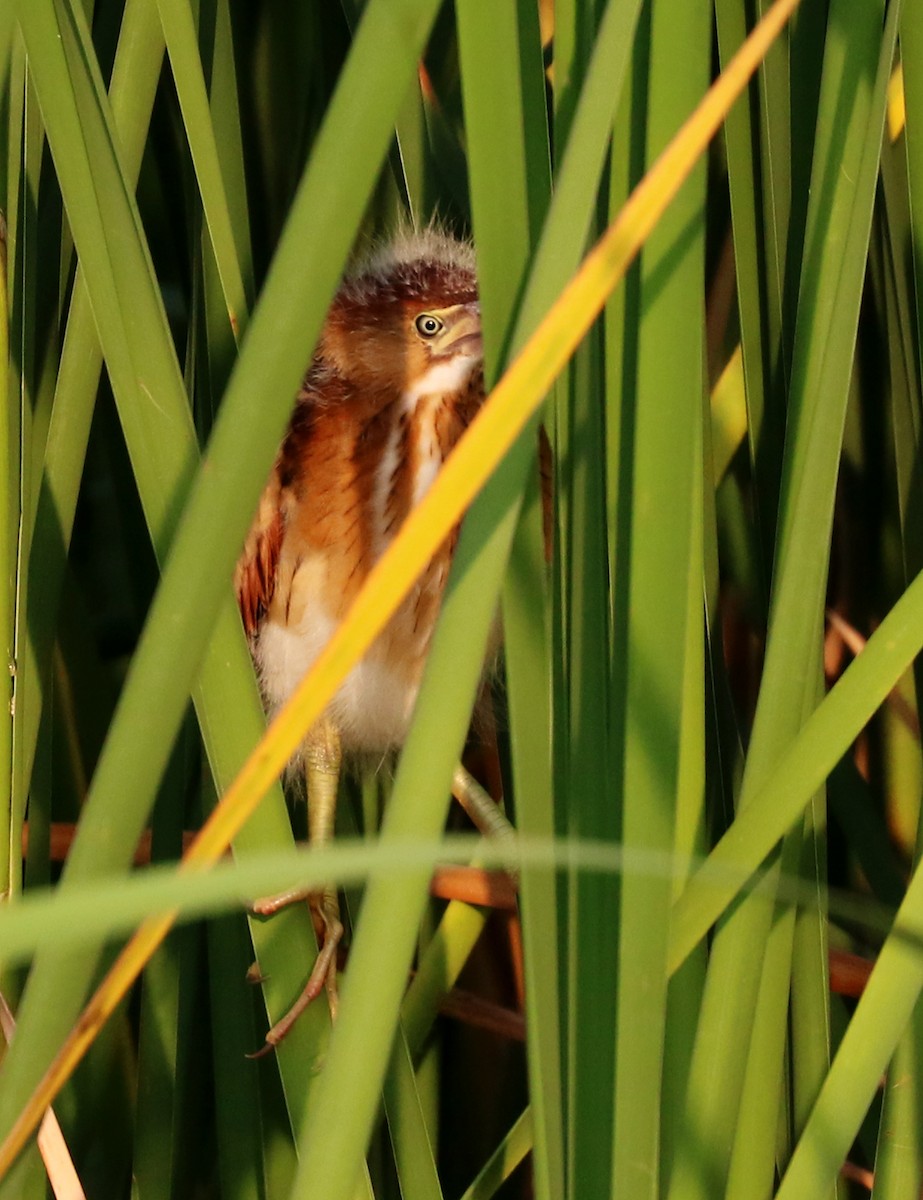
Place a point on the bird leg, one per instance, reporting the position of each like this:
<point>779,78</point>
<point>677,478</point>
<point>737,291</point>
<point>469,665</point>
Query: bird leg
<point>322,773</point>
<point>484,812</point>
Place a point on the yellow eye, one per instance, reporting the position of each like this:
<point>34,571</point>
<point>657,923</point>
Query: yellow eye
<point>427,325</point>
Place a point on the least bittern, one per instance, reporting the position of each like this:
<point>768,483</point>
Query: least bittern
<point>396,378</point>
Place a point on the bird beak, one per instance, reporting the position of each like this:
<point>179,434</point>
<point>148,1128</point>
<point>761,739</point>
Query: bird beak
<point>462,332</point>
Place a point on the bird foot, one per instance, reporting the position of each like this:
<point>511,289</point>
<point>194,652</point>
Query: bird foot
<point>326,909</point>
<point>255,975</point>
<point>268,906</point>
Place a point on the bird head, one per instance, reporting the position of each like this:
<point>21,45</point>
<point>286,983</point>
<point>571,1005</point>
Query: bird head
<point>407,321</point>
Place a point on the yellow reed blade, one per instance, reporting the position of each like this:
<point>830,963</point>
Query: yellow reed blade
<point>728,414</point>
<point>503,416</point>
<point>897,110</point>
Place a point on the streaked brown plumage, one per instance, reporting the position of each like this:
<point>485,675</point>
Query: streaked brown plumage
<point>382,405</point>
<point>395,380</point>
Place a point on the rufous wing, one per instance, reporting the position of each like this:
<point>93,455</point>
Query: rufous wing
<point>255,574</point>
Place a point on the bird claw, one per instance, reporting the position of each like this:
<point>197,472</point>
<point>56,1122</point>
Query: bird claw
<point>323,975</point>
<point>268,906</point>
<point>254,974</point>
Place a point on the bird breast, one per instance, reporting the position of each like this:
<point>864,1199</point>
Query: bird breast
<point>353,474</point>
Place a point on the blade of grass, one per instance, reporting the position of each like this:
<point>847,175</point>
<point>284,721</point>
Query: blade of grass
<point>780,237</point>
<point>182,47</point>
<point>684,996</point>
<point>40,919</point>
<point>411,149</point>
<point>810,984</point>
<point>899,1151</point>
<point>240,1117</point>
<point>9,527</point>
<point>30,335</point>
<point>870,1040</point>
<point>744,165</point>
<point>753,1154</point>
<point>161,1114</point>
<point>228,124</point>
<point>728,414</point>
<point>586,763</point>
<point>134,82</point>
<point>898,1165</point>
<point>506,237</point>
<point>448,157</point>
<point>508,1155</point>
<point>413,1154</point>
<point>912,55</point>
<point>14,797</point>
<point>438,969</point>
<point>666,475</point>
<point>566,229</point>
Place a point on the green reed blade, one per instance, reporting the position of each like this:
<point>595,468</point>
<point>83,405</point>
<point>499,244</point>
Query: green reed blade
<point>666,473</point>
<point>413,1153</point>
<point>10,853</point>
<point>180,36</point>
<point>870,1039</point>
<point>134,81</point>
<point>508,1155</point>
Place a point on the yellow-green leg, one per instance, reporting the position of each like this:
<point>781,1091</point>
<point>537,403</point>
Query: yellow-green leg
<point>485,813</point>
<point>322,772</point>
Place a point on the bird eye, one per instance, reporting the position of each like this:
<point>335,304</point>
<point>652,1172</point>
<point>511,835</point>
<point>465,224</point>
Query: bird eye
<point>427,325</point>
